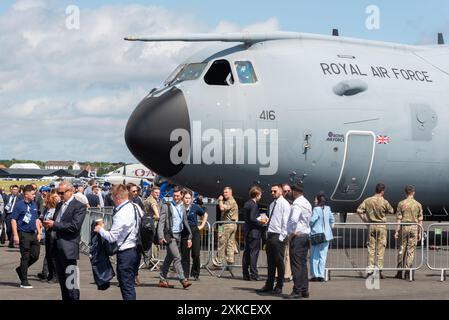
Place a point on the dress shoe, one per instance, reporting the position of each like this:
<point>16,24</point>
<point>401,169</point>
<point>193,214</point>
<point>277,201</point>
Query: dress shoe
<point>256,278</point>
<point>265,289</point>
<point>321,279</point>
<point>277,290</point>
<point>294,295</point>
<point>165,284</point>
<point>305,295</point>
<point>381,276</point>
<point>186,283</point>
<point>246,278</point>
<point>52,280</point>
<point>41,276</point>
<point>196,278</point>
<point>398,275</point>
<point>314,280</point>
<point>11,245</point>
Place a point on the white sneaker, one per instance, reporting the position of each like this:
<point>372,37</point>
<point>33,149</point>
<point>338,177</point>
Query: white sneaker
<point>26,285</point>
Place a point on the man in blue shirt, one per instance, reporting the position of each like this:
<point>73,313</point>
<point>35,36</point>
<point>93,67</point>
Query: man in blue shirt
<point>172,221</point>
<point>10,204</point>
<point>27,232</point>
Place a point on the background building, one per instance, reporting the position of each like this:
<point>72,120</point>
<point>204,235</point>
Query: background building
<point>24,166</point>
<point>62,165</point>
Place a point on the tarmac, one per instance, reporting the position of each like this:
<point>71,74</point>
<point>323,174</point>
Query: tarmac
<point>344,285</point>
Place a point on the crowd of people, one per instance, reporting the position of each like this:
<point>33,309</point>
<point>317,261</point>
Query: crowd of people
<point>290,227</point>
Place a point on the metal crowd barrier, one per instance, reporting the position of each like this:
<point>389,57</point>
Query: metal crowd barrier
<point>92,215</point>
<point>158,252</point>
<point>438,248</point>
<point>349,251</point>
<point>239,246</point>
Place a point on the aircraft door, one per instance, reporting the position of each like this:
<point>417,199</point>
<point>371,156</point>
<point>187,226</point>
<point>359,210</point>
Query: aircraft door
<point>357,165</point>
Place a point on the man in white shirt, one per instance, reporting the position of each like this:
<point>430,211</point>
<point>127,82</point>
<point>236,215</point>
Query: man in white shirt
<point>124,232</point>
<point>79,195</point>
<point>298,229</point>
<point>279,212</point>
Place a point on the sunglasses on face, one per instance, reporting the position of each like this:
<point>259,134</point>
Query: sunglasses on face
<point>62,193</point>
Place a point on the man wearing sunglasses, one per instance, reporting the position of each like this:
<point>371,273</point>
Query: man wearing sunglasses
<point>68,219</point>
<point>135,195</point>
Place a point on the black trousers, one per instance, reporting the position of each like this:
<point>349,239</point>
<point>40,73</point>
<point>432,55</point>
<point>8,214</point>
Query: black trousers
<point>65,268</point>
<point>250,256</point>
<point>29,251</point>
<point>50,260</point>
<point>194,251</point>
<point>275,258</point>
<point>9,228</point>
<point>299,247</point>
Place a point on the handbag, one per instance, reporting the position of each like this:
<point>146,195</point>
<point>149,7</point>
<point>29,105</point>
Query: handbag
<point>318,238</point>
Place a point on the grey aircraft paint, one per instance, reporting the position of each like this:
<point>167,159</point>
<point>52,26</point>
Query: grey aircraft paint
<point>350,113</point>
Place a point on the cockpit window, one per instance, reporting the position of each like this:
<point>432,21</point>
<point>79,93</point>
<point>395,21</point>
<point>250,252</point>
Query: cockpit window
<point>219,74</point>
<point>186,72</point>
<point>245,72</point>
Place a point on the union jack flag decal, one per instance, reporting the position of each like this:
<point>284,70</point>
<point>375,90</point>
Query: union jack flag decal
<point>383,140</point>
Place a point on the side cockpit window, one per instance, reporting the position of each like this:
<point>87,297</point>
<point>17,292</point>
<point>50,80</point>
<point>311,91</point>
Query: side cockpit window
<point>219,74</point>
<point>186,72</point>
<point>245,72</point>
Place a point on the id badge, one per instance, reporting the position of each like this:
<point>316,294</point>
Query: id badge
<point>27,217</point>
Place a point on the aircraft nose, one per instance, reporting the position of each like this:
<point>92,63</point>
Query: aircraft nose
<point>148,131</point>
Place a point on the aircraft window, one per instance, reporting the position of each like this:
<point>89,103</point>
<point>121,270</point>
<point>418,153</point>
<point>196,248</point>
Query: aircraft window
<point>186,72</point>
<point>173,75</point>
<point>219,74</point>
<point>245,71</point>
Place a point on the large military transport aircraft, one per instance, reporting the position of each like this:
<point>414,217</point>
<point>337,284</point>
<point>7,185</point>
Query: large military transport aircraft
<point>338,114</point>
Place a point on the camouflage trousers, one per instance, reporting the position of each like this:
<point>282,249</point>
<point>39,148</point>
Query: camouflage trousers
<point>377,245</point>
<point>408,238</point>
<point>226,244</point>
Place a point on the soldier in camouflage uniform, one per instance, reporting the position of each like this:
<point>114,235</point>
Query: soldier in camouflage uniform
<point>227,232</point>
<point>374,210</point>
<point>409,211</point>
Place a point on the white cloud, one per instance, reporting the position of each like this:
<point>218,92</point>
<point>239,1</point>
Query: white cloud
<point>22,5</point>
<point>68,93</point>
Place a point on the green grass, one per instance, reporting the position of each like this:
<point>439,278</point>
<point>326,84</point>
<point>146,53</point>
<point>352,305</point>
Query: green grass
<point>7,184</point>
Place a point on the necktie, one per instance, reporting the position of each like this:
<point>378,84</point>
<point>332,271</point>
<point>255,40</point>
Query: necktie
<point>63,208</point>
<point>271,214</point>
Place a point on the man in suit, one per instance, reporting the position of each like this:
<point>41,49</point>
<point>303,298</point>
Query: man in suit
<point>254,227</point>
<point>66,224</point>
<point>10,204</point>
<point>173,221</point>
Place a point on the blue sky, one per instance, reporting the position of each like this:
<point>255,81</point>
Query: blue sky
<point>401,20</point>
<point>82,85</point>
